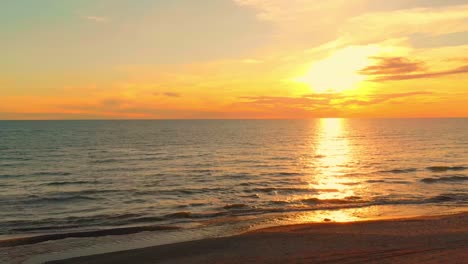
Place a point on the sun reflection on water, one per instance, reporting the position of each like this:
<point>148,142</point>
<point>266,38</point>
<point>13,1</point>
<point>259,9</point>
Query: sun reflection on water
<point>335,216</point>
<point>343,215</point>
<point>332,155</point>
<point>332,147</point>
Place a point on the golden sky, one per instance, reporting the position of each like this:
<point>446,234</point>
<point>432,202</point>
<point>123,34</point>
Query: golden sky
<point>106,59</point>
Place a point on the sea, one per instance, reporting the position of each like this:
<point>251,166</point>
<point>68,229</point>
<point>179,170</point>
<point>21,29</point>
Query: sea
<point>73,188</point>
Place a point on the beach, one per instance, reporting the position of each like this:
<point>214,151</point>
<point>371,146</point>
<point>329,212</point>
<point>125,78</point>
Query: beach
<point>434,239</point>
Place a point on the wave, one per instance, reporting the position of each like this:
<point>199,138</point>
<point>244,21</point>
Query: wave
<point>11,165</point>
<point>180,191</point>
<point>320,204</point>
<point>179,215</point>
<point>279,202</point>
<point>96,233</point>
<point>446,168</point>
<point>237,175</point>
<point>448,179</point>
<point>125,159</point>
<point>359,202</point>
<point>399,182</point>
<point>276,206</point>
<point>400,171</point>
<point>192,205</point>
<point>17,158</point>
<point>273,190</point>
<point>60,183</point>
<point>235,206</point>
<point>349,202</point>
<point>389,181</point>
<point>101,161</point>
<point>56,197</point>
<point>284,174</point>
<point>7,176</point>
<point>41,173</point>
<point>190,215</point>
<point>203,171</point>
<point>51,173</point>
<point>410,170</point>
<point>331,201</point>
<point>78,221</point>
<point>441,198</point>
<point>43,228</point>
<point>375,181</point>
<point>59,198</point>
<point>122,169</point>
<point>281,158</point>
<point>255,196</point>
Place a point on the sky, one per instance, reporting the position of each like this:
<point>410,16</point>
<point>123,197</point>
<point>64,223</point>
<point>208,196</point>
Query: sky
<point>215,59</point>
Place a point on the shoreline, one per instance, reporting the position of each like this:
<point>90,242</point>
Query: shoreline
<point>426,239</point>
<point>30,240</point>
<point>293,218</point>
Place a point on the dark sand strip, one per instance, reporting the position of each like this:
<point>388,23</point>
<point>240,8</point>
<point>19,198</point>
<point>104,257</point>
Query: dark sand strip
<point>441,239</point>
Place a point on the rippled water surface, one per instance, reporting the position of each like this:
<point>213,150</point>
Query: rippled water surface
<point>70,176</point>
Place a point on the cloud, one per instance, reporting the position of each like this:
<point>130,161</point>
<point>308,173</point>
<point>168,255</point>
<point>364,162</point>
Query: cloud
<point>167,94</point>
<point>301,106</point>
<point>378,26</point>
<point>303,101</point>
<point>398,77</point>
<point>310,101</point>
<point>324,105</point>
<point>172,94</point>
<point>400,68</point>
<point>311,23</point>
<point>96,19</point>
<point>392,65</point>
<point>304,22</point>
<point>115,108</point>
<point>381,98</point>
<point>405,4</point>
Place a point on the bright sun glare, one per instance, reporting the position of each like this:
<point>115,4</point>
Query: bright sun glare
<point>340,71</point>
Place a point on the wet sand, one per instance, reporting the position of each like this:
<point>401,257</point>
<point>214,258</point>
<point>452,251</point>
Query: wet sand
<point>441,239</point>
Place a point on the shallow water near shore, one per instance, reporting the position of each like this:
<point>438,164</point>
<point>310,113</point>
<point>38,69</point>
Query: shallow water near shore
<point>220,177</point>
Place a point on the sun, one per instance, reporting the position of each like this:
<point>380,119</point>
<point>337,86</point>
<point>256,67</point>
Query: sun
<point>340,71</point>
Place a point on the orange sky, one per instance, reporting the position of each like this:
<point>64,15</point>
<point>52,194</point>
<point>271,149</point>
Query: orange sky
<point>233,59</point>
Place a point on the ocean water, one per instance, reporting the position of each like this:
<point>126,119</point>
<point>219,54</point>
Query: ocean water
<point>98,178</point>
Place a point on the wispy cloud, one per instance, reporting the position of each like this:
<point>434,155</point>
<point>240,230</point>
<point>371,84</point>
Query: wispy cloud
<point>330,100</point>
<point>167,94</point>
<point>392,65</point>
<point>325,105</point>
<point>379,26</point>
<point>303,101</point>
<point>400,68</point>
<point>382,98</point>
<point>458,70</point>
<point>172,94</point>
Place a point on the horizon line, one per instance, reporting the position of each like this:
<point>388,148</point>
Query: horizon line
<point>220,119</point>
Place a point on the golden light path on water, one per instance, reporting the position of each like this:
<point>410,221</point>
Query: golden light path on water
<point>333,155</point>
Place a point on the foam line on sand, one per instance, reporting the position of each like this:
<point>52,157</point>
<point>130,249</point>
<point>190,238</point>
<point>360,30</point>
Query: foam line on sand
<point>441,239</point>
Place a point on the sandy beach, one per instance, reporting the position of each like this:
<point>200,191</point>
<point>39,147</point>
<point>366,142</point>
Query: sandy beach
<point>413,240</point>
